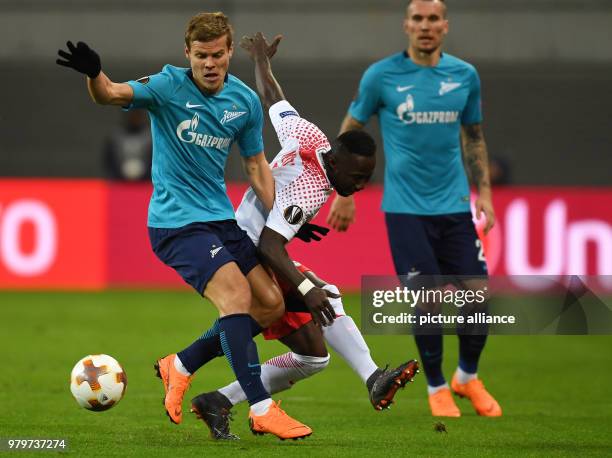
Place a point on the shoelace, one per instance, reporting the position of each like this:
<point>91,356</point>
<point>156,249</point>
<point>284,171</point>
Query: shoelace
<point>227,414</point>
<point>278,406</point>
<point>293,422</point>
<point>224,414</point>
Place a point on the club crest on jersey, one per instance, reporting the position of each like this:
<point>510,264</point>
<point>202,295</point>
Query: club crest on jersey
<point>186,132</point>
<point>231,115</point>
<point>446,87</point>
<point>293,214</point>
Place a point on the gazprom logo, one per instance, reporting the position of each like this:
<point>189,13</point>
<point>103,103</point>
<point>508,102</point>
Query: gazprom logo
<point>429,117</point>
<point>186,132</point>
<point>405,112</point>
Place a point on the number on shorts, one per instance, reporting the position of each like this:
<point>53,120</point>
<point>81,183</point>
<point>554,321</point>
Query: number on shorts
<point>481,256</point>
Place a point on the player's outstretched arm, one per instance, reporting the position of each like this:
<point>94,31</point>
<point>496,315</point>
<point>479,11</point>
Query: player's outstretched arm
<point>85,60</point>
<point>261,51</point>
<point>272,249</point>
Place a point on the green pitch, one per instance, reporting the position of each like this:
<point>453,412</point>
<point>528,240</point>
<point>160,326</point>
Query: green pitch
<point>555,391</point>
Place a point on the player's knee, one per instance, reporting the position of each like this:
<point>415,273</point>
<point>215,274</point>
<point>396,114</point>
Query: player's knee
<point>272,302</point>
<point>236,299</point>
<point>229,290</point>
<point>267,306</point>
<point>311,365</point>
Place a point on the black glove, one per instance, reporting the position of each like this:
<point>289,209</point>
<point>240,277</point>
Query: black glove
<point>308,232</point>
<point>81,58</point>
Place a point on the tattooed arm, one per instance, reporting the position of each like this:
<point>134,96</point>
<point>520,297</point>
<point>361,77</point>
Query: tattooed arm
<point>477,163</point>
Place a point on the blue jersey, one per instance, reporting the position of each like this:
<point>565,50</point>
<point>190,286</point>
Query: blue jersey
<point>192,136</point>
<point>420,111</point>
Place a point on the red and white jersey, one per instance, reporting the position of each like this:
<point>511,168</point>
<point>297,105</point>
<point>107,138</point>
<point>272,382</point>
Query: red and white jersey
<point>301,184</point>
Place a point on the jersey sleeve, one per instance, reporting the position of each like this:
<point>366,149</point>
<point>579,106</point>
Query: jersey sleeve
<point>284,118</point>
<point>285,222</point>
<point>368,98</point>
<point>472,114</point>
<point>152,91</point>
<point>295,131</point>
<point>298,201</point>
<point>250,140</point>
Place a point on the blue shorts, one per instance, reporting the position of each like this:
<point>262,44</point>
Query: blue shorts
<point>435,245</point>
<point>198,250</point>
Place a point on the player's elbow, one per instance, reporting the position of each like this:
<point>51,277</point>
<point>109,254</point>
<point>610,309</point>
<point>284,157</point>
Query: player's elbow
<point>100,100</point>
<point>102,97</point>
<point>111,94</point>
<point>271,97</point>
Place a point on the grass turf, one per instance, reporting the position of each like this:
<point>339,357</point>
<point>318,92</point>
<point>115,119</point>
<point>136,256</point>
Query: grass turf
<point>555,391</point>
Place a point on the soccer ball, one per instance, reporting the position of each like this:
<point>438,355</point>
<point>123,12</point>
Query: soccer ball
<point>98,382</point>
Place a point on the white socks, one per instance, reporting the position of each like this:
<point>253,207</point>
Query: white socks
<point>464,377</point>
<point>346,339</point>
<point>261,407</point>
<point>434,389</point>
<point>178,365</point>
<point>461,376</point>
<point>279,374</point>
<point>335,302</point>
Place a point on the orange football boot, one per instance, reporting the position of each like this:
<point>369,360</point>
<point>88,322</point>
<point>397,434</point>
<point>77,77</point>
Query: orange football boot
<point>442,404</point>
<point>175,387</point>
<point>481,399</point>
<point>277,422</point>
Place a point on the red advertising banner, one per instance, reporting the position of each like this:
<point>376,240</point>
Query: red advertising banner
<point>53,234</point>
<point>538,231</point>
<point>89,234</point>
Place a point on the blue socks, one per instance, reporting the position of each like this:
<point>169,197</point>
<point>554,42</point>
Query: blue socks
<point>231,335</point>
<point>430,350</point>
<point>207,347</point>
<point>241,353</point>
<point>470,348</point>
<point>429,342</point>
<point>472,339</point>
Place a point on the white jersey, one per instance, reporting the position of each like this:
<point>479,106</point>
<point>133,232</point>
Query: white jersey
<point>301,184</point>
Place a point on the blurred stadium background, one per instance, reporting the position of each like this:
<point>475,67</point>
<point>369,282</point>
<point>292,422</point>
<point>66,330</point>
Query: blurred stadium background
<point>546,69</point>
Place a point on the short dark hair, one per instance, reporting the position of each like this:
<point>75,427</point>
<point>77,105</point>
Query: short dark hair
<point>207,27</point>
<point>441,1</point>
<point>357,142</point>
<point>410,1</point>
